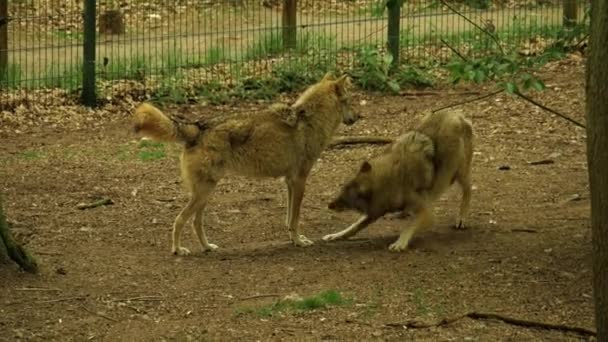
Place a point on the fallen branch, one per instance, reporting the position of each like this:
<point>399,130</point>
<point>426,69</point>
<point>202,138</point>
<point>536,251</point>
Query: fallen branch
<point>10,249</point>
<point>101,202</point>
<point>523,230</point>
<point>498,317</point>
<point>98,314</point>
<point>42,289</point>
<point>364,139</point>
<point>65,299</point>
<point>141,299</point>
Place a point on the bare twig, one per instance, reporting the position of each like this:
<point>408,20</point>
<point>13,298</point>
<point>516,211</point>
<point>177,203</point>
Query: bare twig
<point>99,203</point>
<point>98,314</point>
<point>494,38</point>
<point>141,299</point>
<point>453,50</point>
<point>524,230</point>
<point>469,101</point>
<point>498,317</point>
<point>41,289</point>
<point>371,34</point>
<point>354,140</point>
<point>261,296</point>
<point>49,253</point>
<point>65,299</point>
<point>549,109</point>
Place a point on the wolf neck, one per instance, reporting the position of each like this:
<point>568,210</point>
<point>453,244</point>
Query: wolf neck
<point>322,125</point>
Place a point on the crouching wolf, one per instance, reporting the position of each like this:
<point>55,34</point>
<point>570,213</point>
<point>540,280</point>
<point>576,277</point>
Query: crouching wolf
<point>410,174</point>
<point>257,145</point>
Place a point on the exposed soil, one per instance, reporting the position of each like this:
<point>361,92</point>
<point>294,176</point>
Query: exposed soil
<point>526,254</point>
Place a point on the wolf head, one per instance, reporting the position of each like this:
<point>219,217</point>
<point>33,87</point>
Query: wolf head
<point>357,193</point>
<point>335,95</point>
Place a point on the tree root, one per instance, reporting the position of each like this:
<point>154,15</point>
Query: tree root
<point>498,317</point>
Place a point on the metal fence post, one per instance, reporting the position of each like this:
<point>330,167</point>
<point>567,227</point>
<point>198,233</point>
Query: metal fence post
<point>394,21</point>
<point>570,11</point>
<point>4,43</point>
<point>89,96</point>
<point>290,23</point>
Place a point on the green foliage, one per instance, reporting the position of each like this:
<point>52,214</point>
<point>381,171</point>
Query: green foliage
<point>373,71</point>
<point>323,300</point>
<point>510,69</point>
<point>171,88</point>
<point>478,4</point>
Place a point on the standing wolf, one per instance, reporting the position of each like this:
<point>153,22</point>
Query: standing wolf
<point>257,145</point>
<point>410,174</point>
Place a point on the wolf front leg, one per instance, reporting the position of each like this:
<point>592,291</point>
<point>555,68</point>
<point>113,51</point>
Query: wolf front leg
<point>296,194</point>
<point>353,229</point>
<point>424,219</point>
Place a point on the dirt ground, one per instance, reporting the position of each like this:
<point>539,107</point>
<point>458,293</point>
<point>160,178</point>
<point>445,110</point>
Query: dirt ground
<point>107,273</point>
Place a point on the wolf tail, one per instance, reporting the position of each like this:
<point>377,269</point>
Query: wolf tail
<point>150,122</point>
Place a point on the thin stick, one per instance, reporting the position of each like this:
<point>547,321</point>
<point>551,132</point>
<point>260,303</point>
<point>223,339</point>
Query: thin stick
<point>453,49</point>
<point>494,316</point>
<point>469,101</point>
<point>98,314</point>
<point>99,203</point>
<point>365,139</point>
<point>37,289</point>
<point>261,296</point>
<point>65,299</point>
<point>523,230</point>
<point>141,299</point>
<point>549,109</point>
<point>476,25</point>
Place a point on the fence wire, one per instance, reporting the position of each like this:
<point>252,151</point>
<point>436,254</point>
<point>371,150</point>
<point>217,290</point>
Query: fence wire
<point>148,47</point>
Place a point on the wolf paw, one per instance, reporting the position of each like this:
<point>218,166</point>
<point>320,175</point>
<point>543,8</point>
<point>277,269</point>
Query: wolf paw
<point>332,237</point>
<point>210,247</point>
<point>460,225</point>
<point>302,241</point>
<point>181,251</point>
<point>398,246</point>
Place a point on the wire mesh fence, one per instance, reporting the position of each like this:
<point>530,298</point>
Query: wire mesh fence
<point>183,48</point>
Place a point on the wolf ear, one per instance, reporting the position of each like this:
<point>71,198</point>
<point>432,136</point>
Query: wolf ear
<point>328,77</point>
<point>365,167</point>
<point>341,84</point>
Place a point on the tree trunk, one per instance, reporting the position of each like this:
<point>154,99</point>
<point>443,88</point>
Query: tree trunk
<point>10,250</point>
<point>597,158</point>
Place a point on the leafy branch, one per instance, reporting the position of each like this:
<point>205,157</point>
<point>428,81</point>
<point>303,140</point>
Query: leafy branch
<point>495,67</point>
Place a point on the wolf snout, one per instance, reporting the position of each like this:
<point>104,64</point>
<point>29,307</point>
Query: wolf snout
<point>349,122</point>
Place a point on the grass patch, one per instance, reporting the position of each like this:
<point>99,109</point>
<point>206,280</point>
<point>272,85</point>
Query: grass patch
<point>307,44</point>
<point>151,151</point>
<point>12,77</point>
<point>267,45</point>
<point>215,55</point>
<point>30,155</point>
<point>320,301</point>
